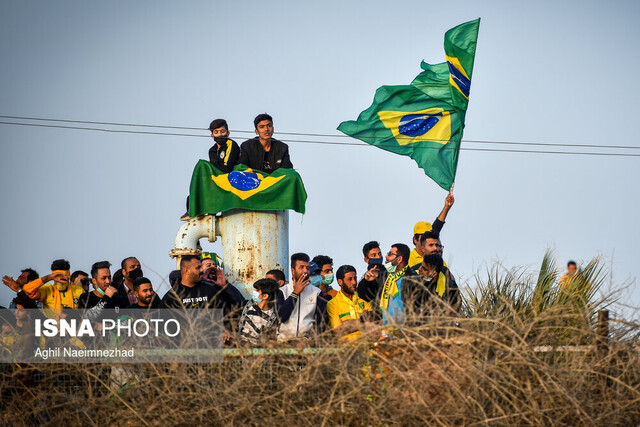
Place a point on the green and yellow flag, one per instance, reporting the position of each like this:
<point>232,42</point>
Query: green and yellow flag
<point>213,191</point>
<point>424,120</point>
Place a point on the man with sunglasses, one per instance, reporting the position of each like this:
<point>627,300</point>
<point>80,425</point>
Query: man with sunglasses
<point>383,287</point>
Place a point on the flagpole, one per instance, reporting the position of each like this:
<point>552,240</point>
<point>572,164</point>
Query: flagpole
<point>451,189</point>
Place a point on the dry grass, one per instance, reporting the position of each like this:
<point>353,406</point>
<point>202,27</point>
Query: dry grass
<point>471,371</point>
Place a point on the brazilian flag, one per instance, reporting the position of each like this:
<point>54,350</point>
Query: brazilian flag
<point>424,120</point>
<point>213,191</point>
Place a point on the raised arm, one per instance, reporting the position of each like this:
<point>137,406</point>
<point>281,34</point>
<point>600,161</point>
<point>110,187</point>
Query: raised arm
<point>440,220</point>
<point>32,289</point>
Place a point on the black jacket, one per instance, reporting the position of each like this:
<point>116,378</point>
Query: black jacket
<point>226,156</point>
<point>253,155</point>
<point>420,298</point>
<point>370,290</point>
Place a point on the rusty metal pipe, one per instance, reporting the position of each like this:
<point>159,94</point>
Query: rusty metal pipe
<point>190,233</point>
<point>253,242</point>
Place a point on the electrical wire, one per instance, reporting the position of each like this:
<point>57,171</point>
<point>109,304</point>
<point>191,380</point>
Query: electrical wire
<point>477,141</point>
<point>464,148</point>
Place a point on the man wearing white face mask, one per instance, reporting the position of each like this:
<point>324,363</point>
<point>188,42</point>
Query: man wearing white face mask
<point>384,288</point>
<point>259,321</point>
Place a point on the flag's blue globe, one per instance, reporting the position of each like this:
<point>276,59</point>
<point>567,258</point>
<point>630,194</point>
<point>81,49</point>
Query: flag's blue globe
<point>244,181</point>
<point>418,124</point>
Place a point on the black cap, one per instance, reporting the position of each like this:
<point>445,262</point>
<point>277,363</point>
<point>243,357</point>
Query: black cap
<point>218,123</point>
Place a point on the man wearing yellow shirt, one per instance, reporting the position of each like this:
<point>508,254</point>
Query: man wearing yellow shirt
<point>346,308</point>
<point>415,258</point>
<point>58,295</point>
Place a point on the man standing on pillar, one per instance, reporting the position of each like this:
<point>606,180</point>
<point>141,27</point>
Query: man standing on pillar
<point>263,152</point>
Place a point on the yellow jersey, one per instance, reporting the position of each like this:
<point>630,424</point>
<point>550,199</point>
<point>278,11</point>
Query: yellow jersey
<point>342,307</point>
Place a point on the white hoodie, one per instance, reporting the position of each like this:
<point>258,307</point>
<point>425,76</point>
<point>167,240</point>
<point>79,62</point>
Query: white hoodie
<point>302,317</point>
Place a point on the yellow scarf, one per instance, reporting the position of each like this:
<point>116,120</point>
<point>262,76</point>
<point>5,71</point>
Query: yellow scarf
<point>62,299</point>
<point>442,284</point>
<point>390,288</point>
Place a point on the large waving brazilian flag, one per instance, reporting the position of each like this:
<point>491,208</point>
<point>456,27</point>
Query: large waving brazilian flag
<point>424,120</point>
<point>213,191</point>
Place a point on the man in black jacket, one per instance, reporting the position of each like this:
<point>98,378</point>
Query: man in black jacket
<point>432,291</point>
<point>263,152</point>
<point>194,292</point>
<point>383,288</point>
<point>223,154</point>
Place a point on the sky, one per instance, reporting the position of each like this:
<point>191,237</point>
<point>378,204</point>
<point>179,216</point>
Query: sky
<point>545,72</point>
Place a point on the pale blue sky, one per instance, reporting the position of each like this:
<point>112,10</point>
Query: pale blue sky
<point>552,72</point>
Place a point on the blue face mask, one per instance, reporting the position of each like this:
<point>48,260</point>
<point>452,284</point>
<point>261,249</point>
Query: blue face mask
<point>255,296</point>
<point>376,261</point>
<point>316,280</point>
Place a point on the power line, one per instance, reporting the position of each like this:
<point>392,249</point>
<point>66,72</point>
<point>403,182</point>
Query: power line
<point>104,130</point>
<point>497,150</point>
<point>463,148</point>
<point>477,141</point>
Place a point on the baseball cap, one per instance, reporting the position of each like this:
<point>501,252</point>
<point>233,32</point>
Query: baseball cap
<point>313,268</point>
<point>421,227</point>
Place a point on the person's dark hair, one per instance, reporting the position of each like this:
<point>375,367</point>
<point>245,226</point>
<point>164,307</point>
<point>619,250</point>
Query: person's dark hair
<point>218,123</point>
<point>7,317</point>
<point>60,264</point>
<point>403,251</point>
<point>22,299</point>
<point>261,117</point>
<point>434,260</point>
<point>429,235</point>
<point>32,274</point>
<point>299,256</point>
<point>278,274</point>
<point>267,286</point>
<point>322,260</point>
<point>174,278</point>
<point>368,246</point>
<point>570,263</point>
<point>343,270</point>
<point>75,275</point>
<point>124,261</point>
<point>98,265</point>
<point>117,278</point>
<point>187,259</point>
<point>140,281</point>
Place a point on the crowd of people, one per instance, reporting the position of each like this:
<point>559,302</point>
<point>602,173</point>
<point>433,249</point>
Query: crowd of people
<point>403,286</point>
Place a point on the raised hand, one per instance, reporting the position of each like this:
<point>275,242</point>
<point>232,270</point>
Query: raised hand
<point>11,284</point>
